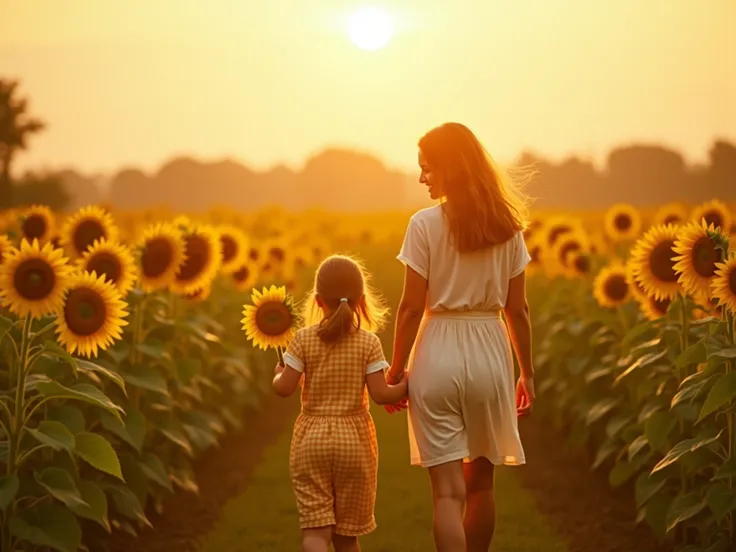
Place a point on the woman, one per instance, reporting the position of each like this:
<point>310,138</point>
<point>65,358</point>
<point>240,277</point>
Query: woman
<point>465,260</point>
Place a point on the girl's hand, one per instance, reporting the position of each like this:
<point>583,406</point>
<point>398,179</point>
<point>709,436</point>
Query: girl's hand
<point>279,368</point>
<point>398,407</point>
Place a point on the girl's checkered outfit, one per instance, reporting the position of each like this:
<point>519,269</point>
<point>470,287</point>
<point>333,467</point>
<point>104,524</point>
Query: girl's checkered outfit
<point>334,453</point>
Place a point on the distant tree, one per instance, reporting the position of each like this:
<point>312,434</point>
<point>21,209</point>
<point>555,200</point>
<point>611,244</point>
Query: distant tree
<point>41,189</point>
<point>16,125</point>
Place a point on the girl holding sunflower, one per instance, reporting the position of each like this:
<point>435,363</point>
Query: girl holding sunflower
<point>334,453</point>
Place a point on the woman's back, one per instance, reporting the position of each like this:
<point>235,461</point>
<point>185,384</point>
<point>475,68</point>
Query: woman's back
<point>476,281</point>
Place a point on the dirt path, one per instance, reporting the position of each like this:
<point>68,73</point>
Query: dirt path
<point>221,474</point>
<point>580,504</point>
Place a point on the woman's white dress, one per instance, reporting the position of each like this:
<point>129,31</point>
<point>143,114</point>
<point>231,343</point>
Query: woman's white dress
<point>462,387</point>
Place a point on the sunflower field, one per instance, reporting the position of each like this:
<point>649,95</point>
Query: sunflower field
<point>124,353</point>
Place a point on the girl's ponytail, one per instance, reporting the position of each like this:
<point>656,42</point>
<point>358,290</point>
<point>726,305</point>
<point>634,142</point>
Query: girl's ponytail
<point>340,323</point>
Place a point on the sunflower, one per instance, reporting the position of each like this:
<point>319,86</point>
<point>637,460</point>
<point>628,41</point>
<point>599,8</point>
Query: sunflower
<point>234,245</point>
<point>5,246</point>
<point>204,255</point>
<point>201,294</point>
<point>33,279</point>
<point>555,228</point>
<point>92,317</point>
<point>653,308</point>
<point>244,277</point>
<point>557,256</point>
<point>597,243</point>
<point>635,288</point>
<point>724,284</point>
<point>37,223</point>
<point>161,254</point>
<point>535,250</point>
<point>610,287</point>
<point>654,266</point>
<point>531,228</point>
<point>714,212</point>
<point>113,261</point>
<point>579,264</point>
<point>699,248</point>
<point>86,226</point>
<point>270,321</point>
<point>671,213</point>
<point>622,222</point>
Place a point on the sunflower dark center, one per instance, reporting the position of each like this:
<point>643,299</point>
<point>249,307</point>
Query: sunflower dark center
<point>106,264</point>
<point>253,254</point>
<point>242,274</point>
<point>732,282</point>
<point>229,248</point>
<point>157,257</point>
<point>556,232</point>
<point>622,222</point>
<point>672,219</point>
<point>615,287</point>
<point>278,254</point>
<point>713,217</point>
<point>34,227</point>
<point>273,318</point>
<point>566,249</point>
<point>198,252</point>
<point>660,262</point>
<point>535,253</point>
<point>87,232</point>
<point>582,264</point>
<point>704,257</point>
<point>85,311</point>
<point>34,279</point>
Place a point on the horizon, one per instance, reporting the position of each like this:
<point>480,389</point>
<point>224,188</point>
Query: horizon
<point>185,82</point>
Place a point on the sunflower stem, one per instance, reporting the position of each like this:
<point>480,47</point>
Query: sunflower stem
<point>17,422</point>
<point>684,335</point>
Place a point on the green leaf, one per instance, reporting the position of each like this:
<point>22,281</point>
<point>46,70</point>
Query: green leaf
<point>148,379</point>
<point>606,450</point>
<point>641,362</point>
<point>646,487</point>
<point>91,367</point>
<point>97,452</point>
<point>153,348</point>
<point>639,331</point>
<point>9,485</point>
<point>727,470</point>
<point>649,409</point>
<point>600,409</point>
<point>685,447</point>
<point>655,512</point>
<point>59,484</point>
<point>53,434</point>
<point>132,430</point>
<point>127,504</point>
<point>187,368</point>
<point>658,427</point>
<point>61,354</point>
<point>726,354</point>
<point>721,500</point>
<point>617,423</point>
<point>155,470</point>
<point>69,415</point>
<point>174,433</point>
<point>95,507</point>
<point>694,354</point>
<point>621,473</point>
<point>637,445</point>
<point>81,392</point>
<point>50,525</point>
<point>683,508</point>
<point>688,394</point>
<point>5,325</point>
<point>722,392</point>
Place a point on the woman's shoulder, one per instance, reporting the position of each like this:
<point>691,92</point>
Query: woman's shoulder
<point>428,213</point>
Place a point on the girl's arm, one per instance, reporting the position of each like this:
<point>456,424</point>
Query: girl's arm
<point>286,380</point>
<point>383,393</point>
<point>408,318</point>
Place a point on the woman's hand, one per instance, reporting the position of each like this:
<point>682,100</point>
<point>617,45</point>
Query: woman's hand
<point>525,396</point>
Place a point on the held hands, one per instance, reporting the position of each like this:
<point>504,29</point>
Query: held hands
<point>525,396</point>
<point>278,369</point>
<point>393,379</point>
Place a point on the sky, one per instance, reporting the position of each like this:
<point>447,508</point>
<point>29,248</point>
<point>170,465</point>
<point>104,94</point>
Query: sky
<point>270,82</point>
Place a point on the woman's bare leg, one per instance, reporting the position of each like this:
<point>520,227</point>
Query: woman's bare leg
<point>480,514</point>
<point>448,493</point>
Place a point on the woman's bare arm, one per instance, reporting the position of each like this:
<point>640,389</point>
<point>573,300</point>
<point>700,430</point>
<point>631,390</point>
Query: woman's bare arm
<point>519,324</point>
<point>408,319</point>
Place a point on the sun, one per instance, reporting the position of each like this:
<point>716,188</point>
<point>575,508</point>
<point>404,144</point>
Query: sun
<point>370,28</point>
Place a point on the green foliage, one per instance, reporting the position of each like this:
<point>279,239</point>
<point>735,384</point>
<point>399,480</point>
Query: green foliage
<point>87,446</point>
<point>655,402</point>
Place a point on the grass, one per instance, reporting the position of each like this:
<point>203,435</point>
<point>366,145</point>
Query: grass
<point>264,517</point>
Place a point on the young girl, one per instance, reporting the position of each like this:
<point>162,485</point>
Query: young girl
<point>334,453</point>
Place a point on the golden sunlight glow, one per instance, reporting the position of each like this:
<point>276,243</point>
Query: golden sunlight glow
<point>370,28</point>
